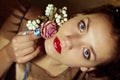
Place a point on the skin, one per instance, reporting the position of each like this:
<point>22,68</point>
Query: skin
<point>20,49</point>
<point>17,48</point>
<point>96,35</point>
<point>73,42</point>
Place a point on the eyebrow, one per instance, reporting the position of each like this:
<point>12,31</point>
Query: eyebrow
<point>91,47</point>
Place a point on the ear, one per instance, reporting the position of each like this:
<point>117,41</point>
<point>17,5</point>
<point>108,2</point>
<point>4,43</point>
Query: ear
<point>84,69</point>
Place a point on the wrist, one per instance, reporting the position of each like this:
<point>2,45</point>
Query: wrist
<point>6,55</point>
<point>4,61</point>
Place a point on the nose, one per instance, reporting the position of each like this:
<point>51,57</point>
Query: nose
<point>70,42</point>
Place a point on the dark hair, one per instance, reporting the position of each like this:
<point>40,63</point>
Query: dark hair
<point>111,69</point>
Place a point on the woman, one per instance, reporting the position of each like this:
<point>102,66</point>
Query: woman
<point>80,43</point>
<point>84,45</point>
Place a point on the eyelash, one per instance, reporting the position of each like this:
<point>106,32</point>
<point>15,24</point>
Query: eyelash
<point>86,55</point>
<point>82,26</point>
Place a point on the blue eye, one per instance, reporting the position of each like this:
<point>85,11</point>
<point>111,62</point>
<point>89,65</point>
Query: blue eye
<point>86,53</point>
<point>81,26</point>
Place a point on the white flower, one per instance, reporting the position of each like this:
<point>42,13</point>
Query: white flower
<point>56,15</point>
<point>63,12</point>
<point>32,25</point>
<point>62,21</point>
<point>34,22</point>
<point>51,13</point>
<point>65,15</point>
<point>65,19</point>
<point>29,21</point>
<point>65,8</point>
<point>57,20</point>
<point>38,21</point>
<point>59,24</point>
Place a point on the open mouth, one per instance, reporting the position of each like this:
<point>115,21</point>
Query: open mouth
<point>57,45</point>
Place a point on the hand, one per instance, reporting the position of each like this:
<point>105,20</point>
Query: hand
<point>22,48</point>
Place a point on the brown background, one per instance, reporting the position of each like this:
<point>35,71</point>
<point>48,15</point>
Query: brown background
<point>5,5</point>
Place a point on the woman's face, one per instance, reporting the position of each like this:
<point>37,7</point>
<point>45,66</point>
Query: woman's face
<point>84,40</point>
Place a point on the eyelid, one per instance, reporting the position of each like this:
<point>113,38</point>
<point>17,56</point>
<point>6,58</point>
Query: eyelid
<point>92,54</point>
<point>85,21</point>
<point>79,23</point>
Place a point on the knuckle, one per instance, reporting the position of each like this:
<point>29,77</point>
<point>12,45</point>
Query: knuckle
<point>29,37</point>
<point>15,39</point>
<point>19,61</point>
<point>15,49</point>
<point>35,54</point>
<point>32,49</point>
<point>32,42</point>
<point>16,54</point>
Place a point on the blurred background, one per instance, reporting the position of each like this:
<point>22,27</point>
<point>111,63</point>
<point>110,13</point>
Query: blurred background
<point>6,6</point>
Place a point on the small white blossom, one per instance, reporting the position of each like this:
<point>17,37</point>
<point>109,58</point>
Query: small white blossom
<point>30,27</point>
<point>56,15</point>
<point>63,12</point>
<point>59,17</point>
<point>62,21</point>
<point>59,24</point>
<point>36,26</point>
<point>29,21</point>
<point>27,25</point>
<point>51,12</point>
<point>33,28</point>
<point>50,5</point>
<point>65,19</point>
<point>65,15</point>
<point>65,8</point>
<point>57,20</point>
<point>34,22</point>
<point>38,21</point>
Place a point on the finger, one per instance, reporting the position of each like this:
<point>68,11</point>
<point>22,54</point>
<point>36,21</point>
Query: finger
<point>25,38</point>
<point>24,52</point>
<point>25,45</point>
<point>25,32</point>
<point>29,57</point>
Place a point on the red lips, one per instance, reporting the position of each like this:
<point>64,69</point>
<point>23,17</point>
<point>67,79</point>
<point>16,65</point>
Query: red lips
<point>57,45</point>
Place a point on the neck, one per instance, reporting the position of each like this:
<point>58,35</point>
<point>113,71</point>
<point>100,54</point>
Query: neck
<point>52,66</point>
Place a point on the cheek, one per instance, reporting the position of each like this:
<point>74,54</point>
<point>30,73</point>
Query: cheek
<point>49,46</point>
<point>68,29</point>
<point>46,46</point>
<point>73,58</point>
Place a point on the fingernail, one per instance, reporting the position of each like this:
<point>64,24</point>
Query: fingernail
<point>25,32</point>
<point>40,47</point>
<point>37,32</point>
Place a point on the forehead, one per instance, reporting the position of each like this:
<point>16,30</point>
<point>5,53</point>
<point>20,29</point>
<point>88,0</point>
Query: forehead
<point>100,36</point>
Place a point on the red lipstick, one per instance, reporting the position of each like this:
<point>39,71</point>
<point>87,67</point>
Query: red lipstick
<point>57,45</point>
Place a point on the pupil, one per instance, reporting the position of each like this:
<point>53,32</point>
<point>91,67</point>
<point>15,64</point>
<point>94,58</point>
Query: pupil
<point>82,26</point>
<point>86,52</point>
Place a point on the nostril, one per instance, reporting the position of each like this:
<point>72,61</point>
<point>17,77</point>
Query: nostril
<point>69,45</point>
<point>68,42</point>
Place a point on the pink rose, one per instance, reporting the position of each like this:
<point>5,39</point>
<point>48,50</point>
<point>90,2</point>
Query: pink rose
<point>48,29</point>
